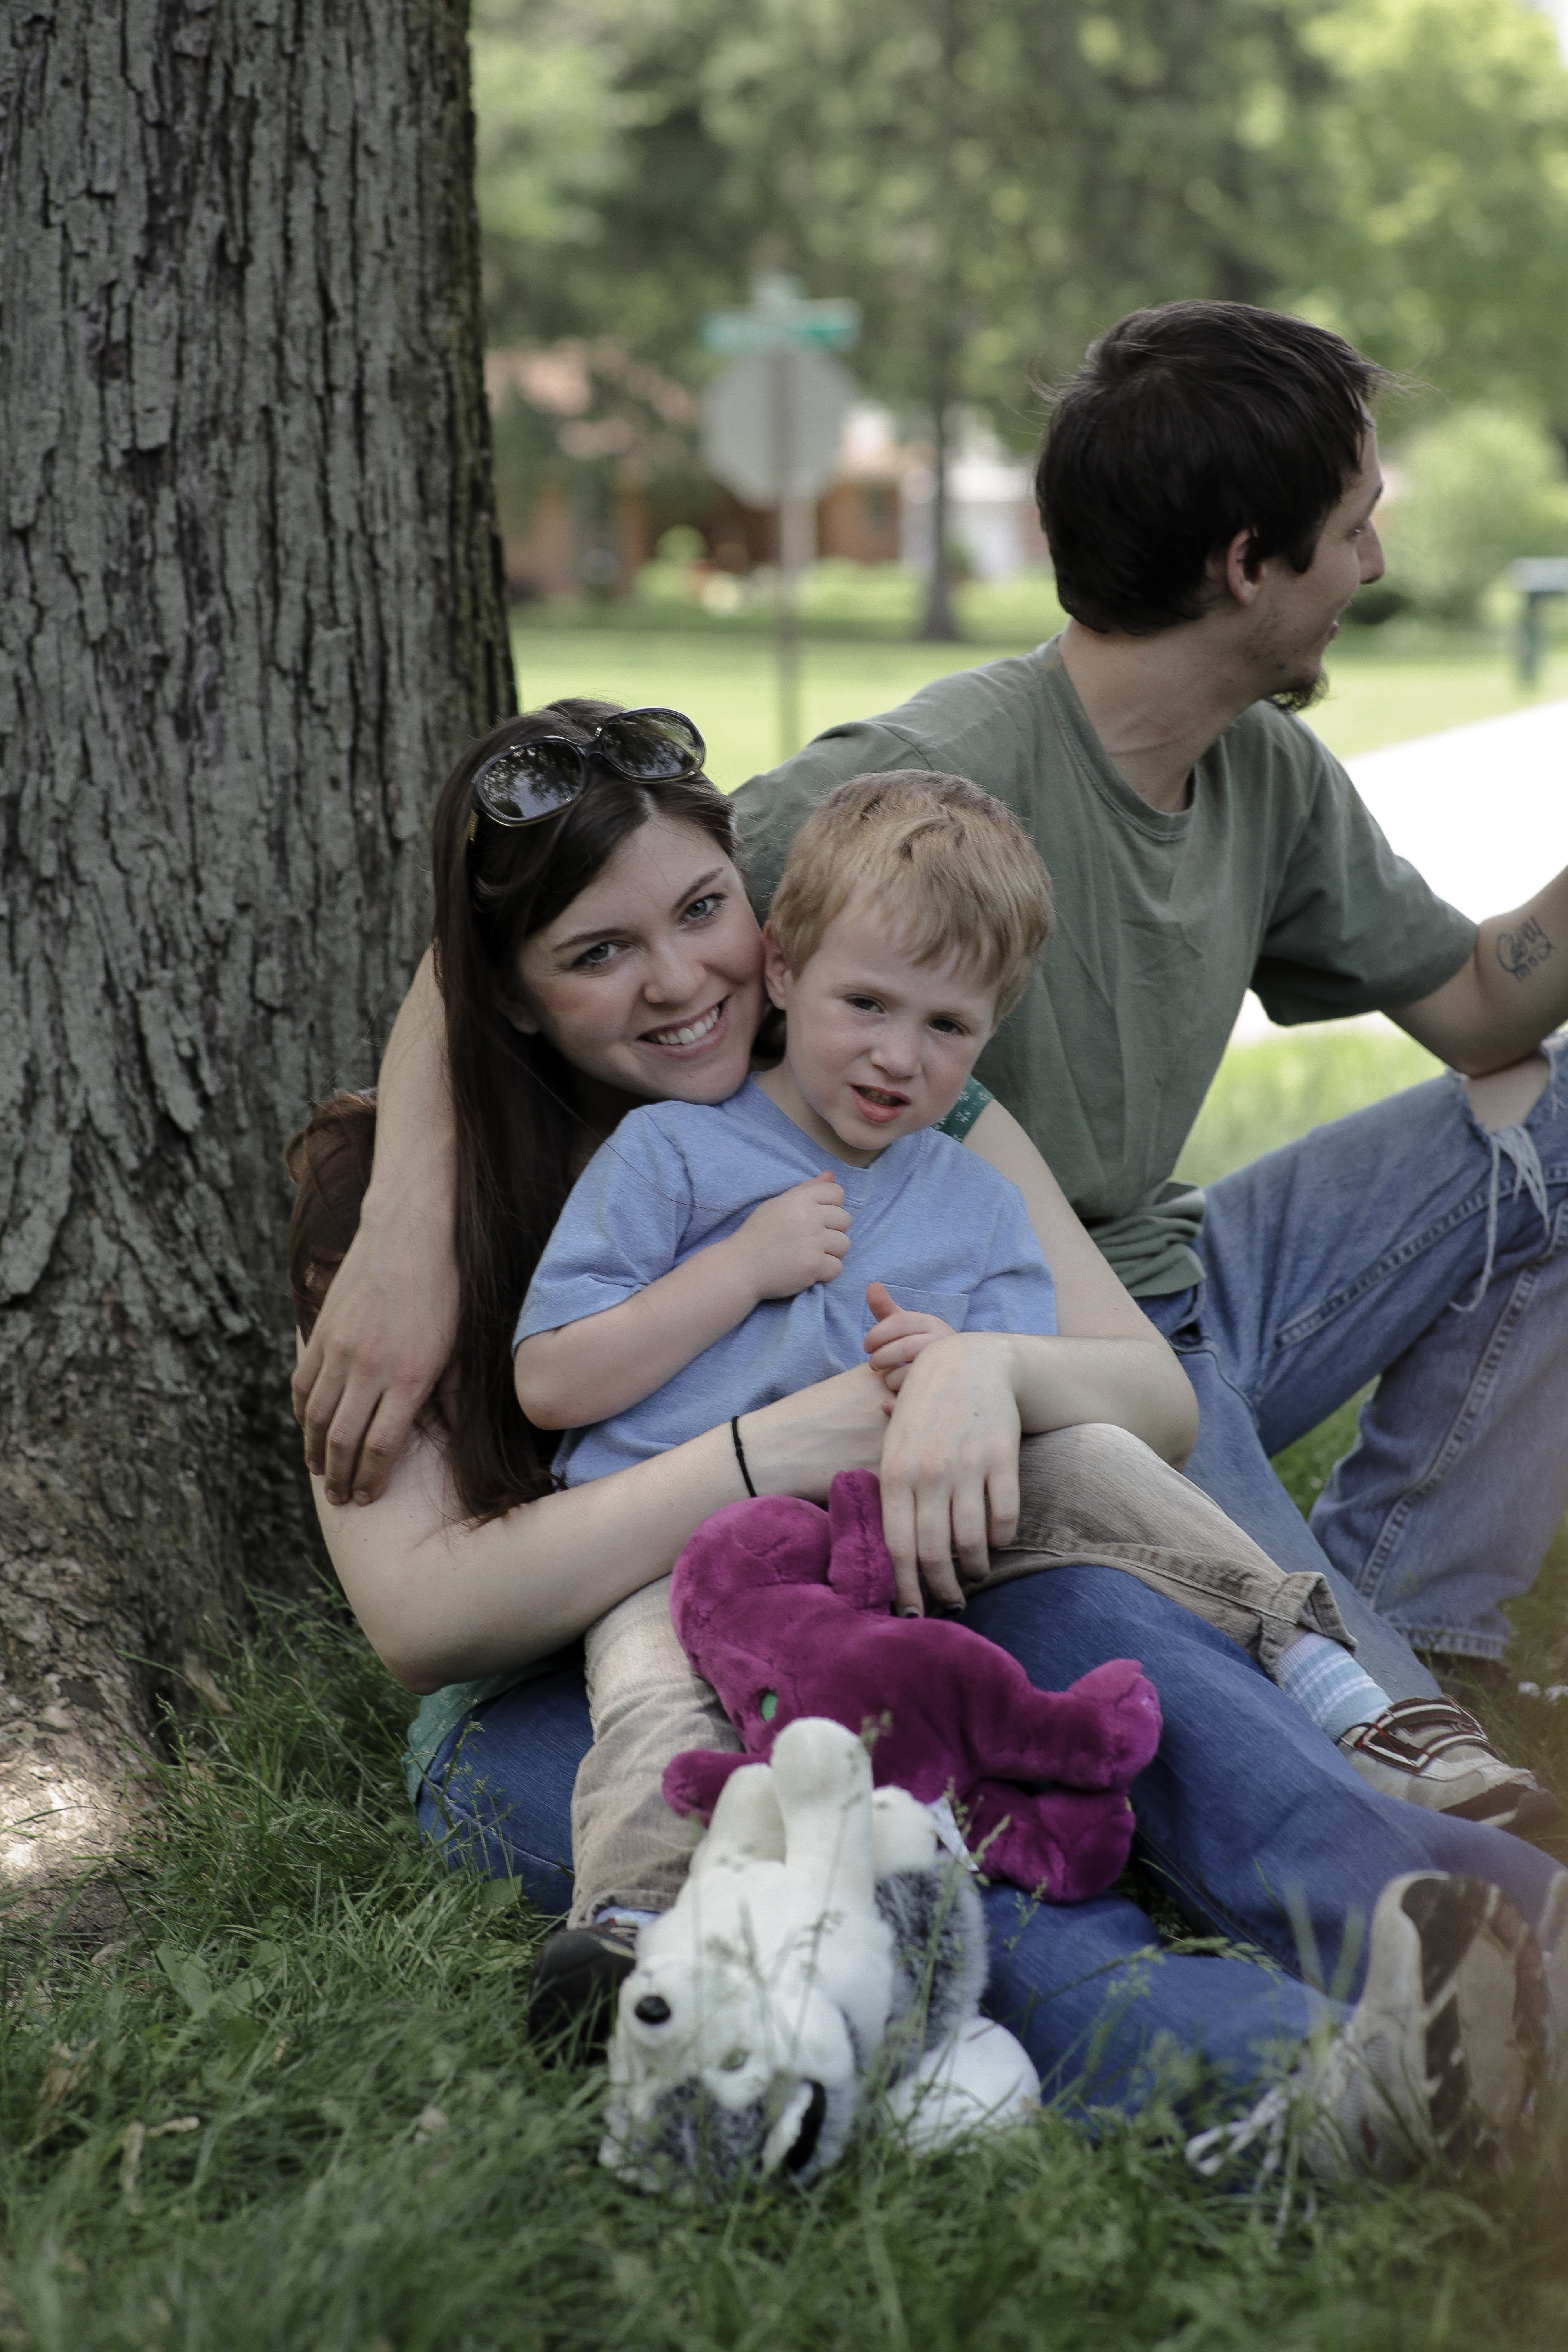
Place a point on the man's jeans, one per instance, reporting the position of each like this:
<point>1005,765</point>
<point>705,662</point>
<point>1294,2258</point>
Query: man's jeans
<point>1362,1253</point>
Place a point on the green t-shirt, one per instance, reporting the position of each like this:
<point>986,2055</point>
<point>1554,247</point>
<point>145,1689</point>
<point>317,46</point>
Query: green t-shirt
<point>1275,878</point>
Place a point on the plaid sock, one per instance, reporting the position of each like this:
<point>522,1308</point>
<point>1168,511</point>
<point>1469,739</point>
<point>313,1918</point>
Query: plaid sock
<point>1326,1684</point>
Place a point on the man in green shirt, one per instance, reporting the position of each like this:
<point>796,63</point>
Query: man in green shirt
<point>1208,485</point>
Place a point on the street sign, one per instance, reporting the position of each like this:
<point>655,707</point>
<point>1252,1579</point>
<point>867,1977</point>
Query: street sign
<point>772,424</point>
<point>781,318</point>
<point>1541,575</point>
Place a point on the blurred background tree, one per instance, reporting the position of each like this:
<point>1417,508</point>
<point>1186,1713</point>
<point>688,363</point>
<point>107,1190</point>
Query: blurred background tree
<point>1442,143</point>
<point>996,180</point>
<point>1473,490</point>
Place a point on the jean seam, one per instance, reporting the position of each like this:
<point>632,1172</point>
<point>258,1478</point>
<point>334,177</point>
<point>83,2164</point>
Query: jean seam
<point>1328,1310</point>
<point>1374,1570</point>
<point>1209,1348</point>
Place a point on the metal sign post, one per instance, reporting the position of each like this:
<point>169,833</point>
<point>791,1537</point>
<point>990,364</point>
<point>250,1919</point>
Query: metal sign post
<point>771,428</point>
<point>1539,578</point>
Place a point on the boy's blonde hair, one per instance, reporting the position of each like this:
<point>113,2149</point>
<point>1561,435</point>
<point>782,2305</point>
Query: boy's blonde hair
<point>950,868</point>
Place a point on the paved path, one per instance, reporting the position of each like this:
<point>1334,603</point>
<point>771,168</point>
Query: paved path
<point>1482,812</point>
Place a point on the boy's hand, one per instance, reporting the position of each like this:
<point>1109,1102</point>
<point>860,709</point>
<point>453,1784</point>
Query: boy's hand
<point>797,1238</point>
<point>898,1335</point>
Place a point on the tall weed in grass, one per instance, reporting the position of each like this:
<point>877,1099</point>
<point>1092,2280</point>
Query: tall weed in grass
<point>292,2107</point>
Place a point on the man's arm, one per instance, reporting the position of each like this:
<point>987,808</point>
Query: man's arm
<point>582,1373</point>
<point>387,1326</point>
<point>1510,993</point>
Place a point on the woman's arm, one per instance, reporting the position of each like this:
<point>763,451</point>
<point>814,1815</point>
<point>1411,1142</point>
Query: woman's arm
<point>1109,1363</point>
<point>389,1320</point>
<point>445,1601</point>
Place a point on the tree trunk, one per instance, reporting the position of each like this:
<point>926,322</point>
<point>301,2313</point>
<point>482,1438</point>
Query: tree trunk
<point>250,608</point>
<point>940,625</point>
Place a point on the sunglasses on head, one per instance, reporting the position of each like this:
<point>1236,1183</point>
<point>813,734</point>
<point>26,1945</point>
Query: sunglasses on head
<point>530,781</point>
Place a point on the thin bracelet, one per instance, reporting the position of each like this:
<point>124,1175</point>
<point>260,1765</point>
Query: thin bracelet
<point>740,1455</point>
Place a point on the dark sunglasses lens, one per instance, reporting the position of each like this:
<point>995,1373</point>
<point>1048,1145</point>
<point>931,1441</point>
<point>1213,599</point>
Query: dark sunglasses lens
<point>532,780</point>
<point>652,746</point>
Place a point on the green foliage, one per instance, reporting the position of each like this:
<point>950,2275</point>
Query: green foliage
<point>992,179</point>
<point>1480,487</point>
<point>608,208</point>
<point>1441,216</point>
<point>292,2107</point>
<point>997,180</point>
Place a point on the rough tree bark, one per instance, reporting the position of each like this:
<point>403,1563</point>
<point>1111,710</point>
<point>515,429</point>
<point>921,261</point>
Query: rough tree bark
<point>249,609</point>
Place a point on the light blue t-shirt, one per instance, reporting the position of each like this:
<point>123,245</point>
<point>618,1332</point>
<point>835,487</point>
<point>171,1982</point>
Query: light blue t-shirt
<point>938,1225</point>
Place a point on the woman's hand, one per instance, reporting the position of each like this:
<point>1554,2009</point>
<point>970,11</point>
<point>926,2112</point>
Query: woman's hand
<point>389,1321</point>
<point>950,1466</point>
<point>385,1333</point>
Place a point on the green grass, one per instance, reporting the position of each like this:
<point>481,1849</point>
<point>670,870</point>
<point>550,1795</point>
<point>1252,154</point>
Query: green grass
<point>1386,686</point>
<point>1269,1092</point>
<point>379,2163</point>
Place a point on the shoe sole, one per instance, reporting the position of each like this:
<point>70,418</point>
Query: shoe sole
<point>1482,2019</point>
<point>1523,1813</point>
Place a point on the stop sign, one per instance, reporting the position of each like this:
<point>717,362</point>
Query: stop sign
<point>772,424</point>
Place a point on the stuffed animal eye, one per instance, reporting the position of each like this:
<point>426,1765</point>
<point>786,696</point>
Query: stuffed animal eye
<point>769,1706</point>
<point>733,2060</point>
<point>653,2009</point>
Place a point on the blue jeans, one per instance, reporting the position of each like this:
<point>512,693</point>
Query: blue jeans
<point>1256,1825</point>
<point>1356,1255</point>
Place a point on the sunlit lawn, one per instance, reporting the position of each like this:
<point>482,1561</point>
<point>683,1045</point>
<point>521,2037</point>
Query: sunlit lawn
<point>1379,693</point>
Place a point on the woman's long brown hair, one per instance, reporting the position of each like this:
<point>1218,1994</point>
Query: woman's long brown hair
<point>520,1143</point>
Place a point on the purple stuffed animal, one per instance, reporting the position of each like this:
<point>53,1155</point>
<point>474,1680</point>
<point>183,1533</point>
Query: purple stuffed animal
<point>784,1608</point>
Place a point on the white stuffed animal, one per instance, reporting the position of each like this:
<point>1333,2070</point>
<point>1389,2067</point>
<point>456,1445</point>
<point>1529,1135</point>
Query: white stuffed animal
<point>824,1949</point>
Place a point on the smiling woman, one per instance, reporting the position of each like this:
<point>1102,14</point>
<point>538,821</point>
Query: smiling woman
<point>614,920</point>
<point>653,968</point>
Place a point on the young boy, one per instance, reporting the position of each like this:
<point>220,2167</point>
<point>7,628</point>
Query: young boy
<point>682,1287</point>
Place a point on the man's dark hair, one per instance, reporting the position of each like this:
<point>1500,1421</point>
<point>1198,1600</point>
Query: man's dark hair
<point>1184,426</point>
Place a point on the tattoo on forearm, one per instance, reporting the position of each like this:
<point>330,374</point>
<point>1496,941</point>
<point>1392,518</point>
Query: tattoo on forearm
<point>1525,951</point>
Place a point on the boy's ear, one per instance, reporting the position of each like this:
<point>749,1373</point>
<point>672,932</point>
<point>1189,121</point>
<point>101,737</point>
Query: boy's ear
<point>775,971</point>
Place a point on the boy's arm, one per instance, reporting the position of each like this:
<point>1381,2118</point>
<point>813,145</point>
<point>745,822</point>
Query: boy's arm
<point>582,1373</point>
